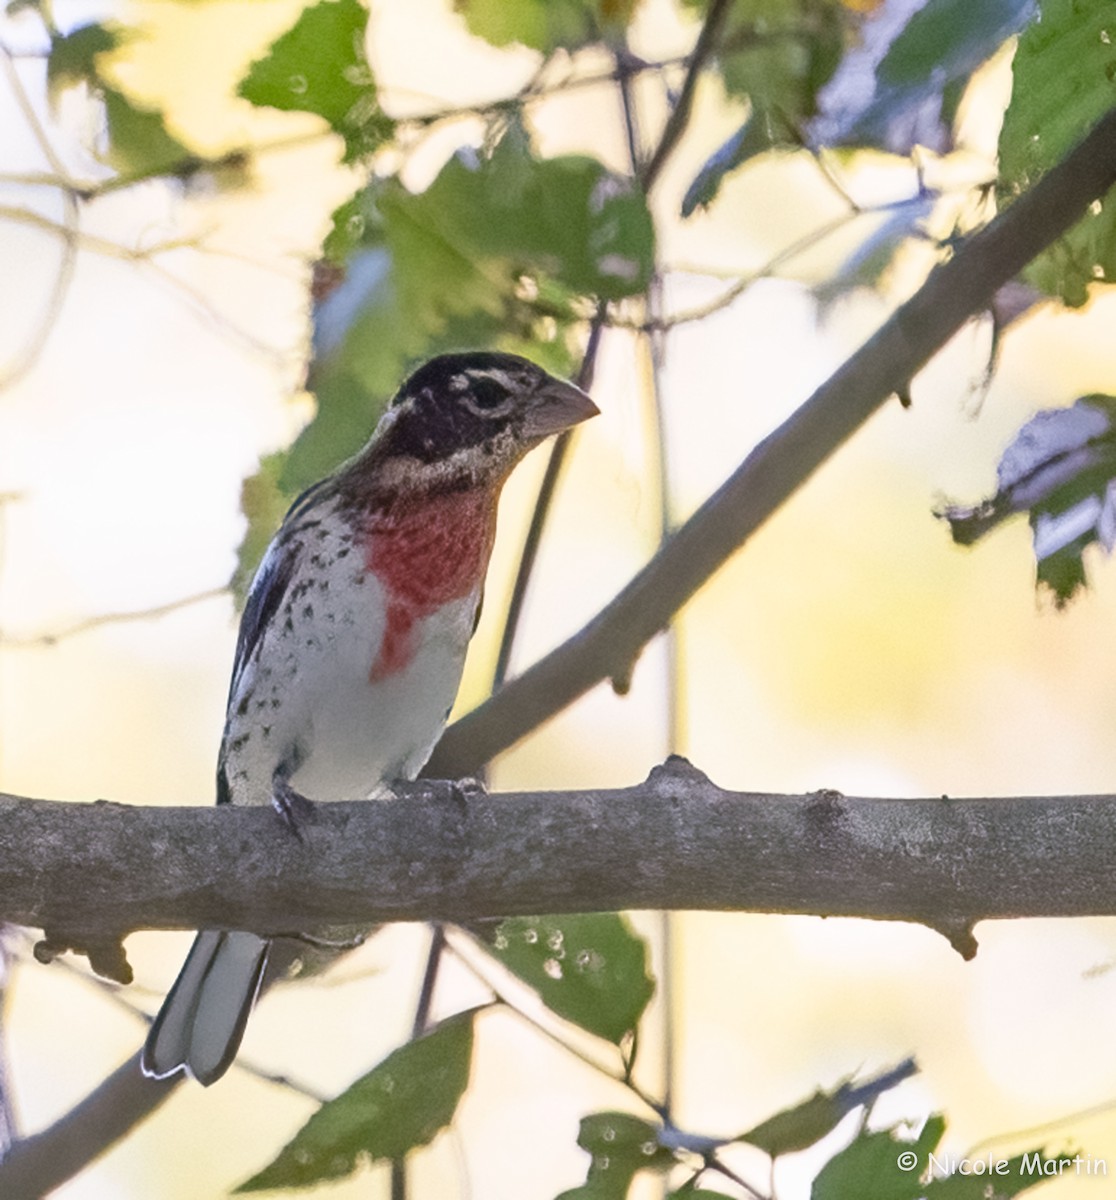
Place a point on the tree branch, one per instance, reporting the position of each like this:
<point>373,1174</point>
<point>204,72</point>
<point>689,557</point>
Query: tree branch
<point>675,841</point>
<point>35,1165</point>
<point>96,871</point>
<point>609,645</point>
<point>680,114</point>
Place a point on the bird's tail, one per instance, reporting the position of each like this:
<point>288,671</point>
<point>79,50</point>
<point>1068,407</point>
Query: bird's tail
<point>202,1020</point>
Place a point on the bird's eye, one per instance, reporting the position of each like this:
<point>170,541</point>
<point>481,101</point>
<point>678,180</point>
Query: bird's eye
<point>487,396</point>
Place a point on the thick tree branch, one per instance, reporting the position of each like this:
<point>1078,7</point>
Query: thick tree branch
<point>611,643</point>
<point>675,841</point>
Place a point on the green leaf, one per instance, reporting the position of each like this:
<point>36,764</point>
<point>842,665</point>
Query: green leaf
<point>1064,74</point>
<point>1063,572</point>
<point>139,143</point>
<point>591,970</point>
<point>947,40</point>
<point>545,25</point>
<point>398,1106</point>
<point>869,1168</point>
<point>619,1146</point>
<point>264,504</point>
<point>320,66</point>
<point>495,253</point>
<point>1064,80</point>
<point>804,1124</point>
<point>763,130</point>
<point>798,1127</point>
<point>565,217</point>
<point>1084,256</point>
<point>1059,469</point>
<point>778,53</point>
<point>72,58</point>
<point>930,61</point>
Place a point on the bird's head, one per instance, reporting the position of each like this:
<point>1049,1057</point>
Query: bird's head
<point>475,415</point>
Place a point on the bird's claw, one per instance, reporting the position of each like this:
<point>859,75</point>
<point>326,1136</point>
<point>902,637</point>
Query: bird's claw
<point>469,788</point>
<point>295,809</point>
<point>457,792</point>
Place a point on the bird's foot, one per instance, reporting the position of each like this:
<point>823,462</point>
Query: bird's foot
<point>333,944</point>
<point>469,788</point>
<point>296,810</point>
<point>456,791</point>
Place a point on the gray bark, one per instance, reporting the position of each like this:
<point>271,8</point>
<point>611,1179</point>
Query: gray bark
<point>89,873</point>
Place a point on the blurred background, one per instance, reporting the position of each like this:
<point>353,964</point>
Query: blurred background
<point>149,364</point>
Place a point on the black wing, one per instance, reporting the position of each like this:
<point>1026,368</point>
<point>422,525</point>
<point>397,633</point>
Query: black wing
<point>273,577</point>
<point>264,597</point>
<point>266,594</point>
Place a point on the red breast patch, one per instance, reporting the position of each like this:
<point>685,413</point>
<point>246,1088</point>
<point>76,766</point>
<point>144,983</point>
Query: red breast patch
<point>426,554</point>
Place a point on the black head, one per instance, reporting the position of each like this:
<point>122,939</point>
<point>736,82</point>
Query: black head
<point>500,404</point>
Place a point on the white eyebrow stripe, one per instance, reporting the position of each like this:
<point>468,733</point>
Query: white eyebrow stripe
<point>508,381</point>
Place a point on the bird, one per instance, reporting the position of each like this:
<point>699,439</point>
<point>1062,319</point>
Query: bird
<point>353,637</point>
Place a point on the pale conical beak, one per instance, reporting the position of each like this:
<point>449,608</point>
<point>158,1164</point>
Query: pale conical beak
<point>556,406</point>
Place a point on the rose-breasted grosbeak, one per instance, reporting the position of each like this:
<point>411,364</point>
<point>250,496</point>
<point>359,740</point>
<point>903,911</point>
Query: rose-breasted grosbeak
<point>353,638</point>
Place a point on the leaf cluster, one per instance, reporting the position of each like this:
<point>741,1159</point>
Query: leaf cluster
<point>508,249</point>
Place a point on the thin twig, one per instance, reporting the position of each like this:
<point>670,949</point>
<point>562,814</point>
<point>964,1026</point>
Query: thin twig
<point>680,115</point>
<point>624,72</point>
<point>478,966</point>
<point>27,109</point>
<point>780,259</point>
<point>655,341</point>
<point>715,1164</point>
<point>1046,1130</point>
<point>541,92</point>
<point>47,179</point>
<point>54,636</point>
<point>112,992</point>
<point>540,514</point>
<point>75,239</point>
<point>672,132</point>
<point>135,254</point>
<point>429,980</point>
<point>655,344</point>
<point>434,955</point>
<point>26,358</point>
